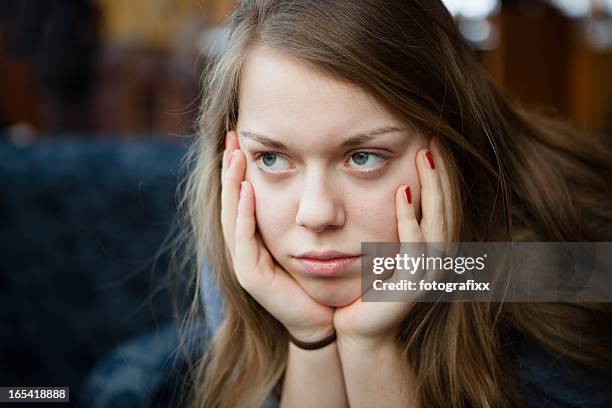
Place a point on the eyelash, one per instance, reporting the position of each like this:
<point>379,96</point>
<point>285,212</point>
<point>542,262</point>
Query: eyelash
<point>258,155</point>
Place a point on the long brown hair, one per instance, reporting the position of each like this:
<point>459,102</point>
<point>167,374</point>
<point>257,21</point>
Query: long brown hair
<point>515,175</point>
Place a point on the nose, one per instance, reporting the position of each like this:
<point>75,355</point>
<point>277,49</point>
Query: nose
<point>320,207</point>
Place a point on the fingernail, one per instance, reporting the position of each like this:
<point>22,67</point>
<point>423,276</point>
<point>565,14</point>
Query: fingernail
<point>229,162</point>
<point>408,198</point>
<point>241,184</point>
<point>430,159</point>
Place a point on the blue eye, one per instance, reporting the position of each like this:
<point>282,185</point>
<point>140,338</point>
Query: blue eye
<point>362,158</point>
<point>269,160</point>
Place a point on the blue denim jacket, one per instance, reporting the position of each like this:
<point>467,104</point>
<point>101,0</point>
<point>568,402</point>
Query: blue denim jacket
<point>132,376</point>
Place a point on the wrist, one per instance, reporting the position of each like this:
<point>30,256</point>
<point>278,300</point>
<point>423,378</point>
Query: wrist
<point>365,343</point>
<point>311,335</point>
<point>317,344</point>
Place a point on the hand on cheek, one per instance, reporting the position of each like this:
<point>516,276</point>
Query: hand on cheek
<point>375,322</point>
<point>255,269</point>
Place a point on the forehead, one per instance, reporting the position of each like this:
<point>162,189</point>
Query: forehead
<point>280,95</point>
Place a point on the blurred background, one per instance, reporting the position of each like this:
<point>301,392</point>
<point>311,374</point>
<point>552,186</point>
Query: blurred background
<point>97,100</point>
<point>129,69</point>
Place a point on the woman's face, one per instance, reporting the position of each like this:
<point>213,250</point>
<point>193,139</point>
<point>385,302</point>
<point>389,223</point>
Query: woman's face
<point>313,192</point>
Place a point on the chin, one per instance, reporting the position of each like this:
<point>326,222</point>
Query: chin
<point>337,302</point>
<point>335,298</point>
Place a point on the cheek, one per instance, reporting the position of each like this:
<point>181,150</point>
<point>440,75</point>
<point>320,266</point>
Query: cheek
<point>377,214</point>
<point>272,214</point>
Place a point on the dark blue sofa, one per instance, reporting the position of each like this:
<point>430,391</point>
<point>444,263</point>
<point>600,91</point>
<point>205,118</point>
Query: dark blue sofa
<point>83,281</point>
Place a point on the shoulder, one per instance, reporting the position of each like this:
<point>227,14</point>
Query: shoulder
<point>549,379</point>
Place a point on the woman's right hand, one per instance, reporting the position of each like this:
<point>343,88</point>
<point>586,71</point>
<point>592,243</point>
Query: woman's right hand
<point>256,270</point>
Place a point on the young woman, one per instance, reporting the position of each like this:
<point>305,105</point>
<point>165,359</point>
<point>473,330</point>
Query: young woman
<point>329,123</point>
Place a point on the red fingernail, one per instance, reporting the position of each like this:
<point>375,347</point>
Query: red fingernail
<point>430,159</point>
<point>408,198</point>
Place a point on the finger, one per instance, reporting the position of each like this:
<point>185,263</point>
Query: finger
<point>229,196</point>
<point>231,144</point>
<point>232,141</point>
<point>246,245</point>
<point>407,224</point>
<point>434,146</point>
<point>433,224</point>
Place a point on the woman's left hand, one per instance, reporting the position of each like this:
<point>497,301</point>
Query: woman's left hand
<point>374,322</point>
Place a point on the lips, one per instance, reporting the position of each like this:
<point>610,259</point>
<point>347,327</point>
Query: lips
<point>332,254</point>
<point>328,266</point>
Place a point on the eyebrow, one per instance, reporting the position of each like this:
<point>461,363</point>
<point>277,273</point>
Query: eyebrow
<point>352,141</point>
